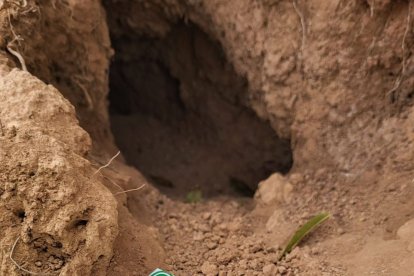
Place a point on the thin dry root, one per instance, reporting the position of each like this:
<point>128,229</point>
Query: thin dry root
<point>122,190</point>
<point>302,22</point>
<point>131,190</point>
<point>15,38</point>
<point>17,55</point>
<point>107,164</point>
<point>113,182</point>
<point>372,8</point>
<point>87,95</point>
<point>21,267</point>
<point>404,61</point>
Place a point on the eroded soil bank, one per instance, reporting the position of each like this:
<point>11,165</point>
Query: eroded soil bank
<point>311,99</point>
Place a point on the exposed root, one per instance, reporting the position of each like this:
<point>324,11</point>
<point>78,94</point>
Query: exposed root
<point>404,58</point>
<point>12,51</point>
<point>302,22</point>
<point>20,267</point>
<point>17,55</point>
<point>122,190</point>
<point>131,190</point>
<point>113,182</point>
<point>107,164</point>
<point>86,93</point>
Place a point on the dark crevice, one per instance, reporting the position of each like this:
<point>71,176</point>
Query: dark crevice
<point>180,114</point>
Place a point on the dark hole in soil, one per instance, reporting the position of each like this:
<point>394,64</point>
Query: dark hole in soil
<point>21,214</point>
<point>179,114</point>
<point>80,223</point>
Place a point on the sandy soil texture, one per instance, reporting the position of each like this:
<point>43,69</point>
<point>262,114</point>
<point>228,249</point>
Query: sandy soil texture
<point>236,122</point>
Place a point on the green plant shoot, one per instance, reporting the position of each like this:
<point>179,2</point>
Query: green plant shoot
<point>303,231</point>
<point>195,196</point>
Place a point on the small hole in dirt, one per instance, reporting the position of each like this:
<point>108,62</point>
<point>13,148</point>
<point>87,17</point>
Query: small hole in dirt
<point>181,115</point>
<point>21,214</point>
<point>79,224</point>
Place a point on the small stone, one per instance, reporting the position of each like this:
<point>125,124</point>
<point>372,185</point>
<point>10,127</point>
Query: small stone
<point>254,264</point>
<point>204,228</point>
<point>198,236</point>
<point>340,231</point>
<point>38,263</point>
<point>223,226</point>
<point>269,270</point>
<point>243,264</point>
<point>274,221</point>
<point>211,245</point>
<point>276,188</point>
<point>209,269</point>
<point>281,269</point>
<point>206,215</point>
<point>59,265</point>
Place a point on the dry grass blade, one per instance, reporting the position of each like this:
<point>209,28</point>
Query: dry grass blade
<point>303,231</point>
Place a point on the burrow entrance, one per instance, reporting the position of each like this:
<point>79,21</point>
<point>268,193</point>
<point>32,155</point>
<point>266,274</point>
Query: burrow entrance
<point>179,114</point>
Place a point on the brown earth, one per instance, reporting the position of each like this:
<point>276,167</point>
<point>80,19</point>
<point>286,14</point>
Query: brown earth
<point>311,99</point>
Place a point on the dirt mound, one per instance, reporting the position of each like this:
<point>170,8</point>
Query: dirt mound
<point>207,99</point>
<point>57,215</point>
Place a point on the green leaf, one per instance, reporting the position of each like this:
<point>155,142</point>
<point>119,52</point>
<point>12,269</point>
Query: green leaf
<point>303,231</point>
<point>195,196</point>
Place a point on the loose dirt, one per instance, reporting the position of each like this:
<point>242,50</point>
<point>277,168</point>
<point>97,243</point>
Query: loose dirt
<point>311,99</point>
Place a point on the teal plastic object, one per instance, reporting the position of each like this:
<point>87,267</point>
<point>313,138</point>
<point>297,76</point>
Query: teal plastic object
<point>160,272</point>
